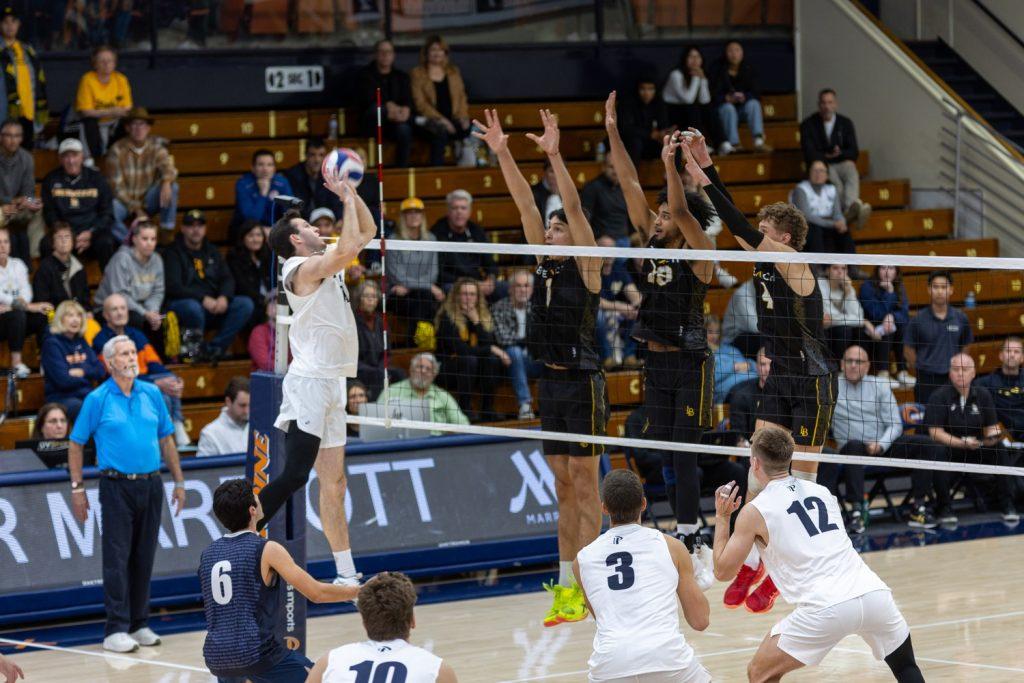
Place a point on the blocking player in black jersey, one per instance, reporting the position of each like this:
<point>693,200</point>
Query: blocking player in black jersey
<point>562,334</point>
<point>679,367</point>
<point>800,393</point>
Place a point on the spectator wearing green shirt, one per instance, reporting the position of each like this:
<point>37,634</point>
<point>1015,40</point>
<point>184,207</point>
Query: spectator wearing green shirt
<point>422,372</point>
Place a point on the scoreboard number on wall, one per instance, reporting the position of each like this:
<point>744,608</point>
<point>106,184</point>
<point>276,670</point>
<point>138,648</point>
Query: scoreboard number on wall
<point>294,79</point>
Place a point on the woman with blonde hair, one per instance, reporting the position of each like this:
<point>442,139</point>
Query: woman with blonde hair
<point>442,107</point>
<point>412,275</point>
<point>69,364</point>
<point>470,357</point>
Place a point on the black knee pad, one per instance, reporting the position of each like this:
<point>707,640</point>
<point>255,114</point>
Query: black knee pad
<point>903,665</point>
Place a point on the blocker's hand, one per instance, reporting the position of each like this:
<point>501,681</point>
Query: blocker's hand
<point>549,141</point>
<point>669,145</point>
<point>693,167</point>
<point>610,120</point>
<point>698,145</point>
<point>491,132</point>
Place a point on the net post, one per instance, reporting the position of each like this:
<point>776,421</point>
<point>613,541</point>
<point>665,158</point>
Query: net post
<point>386,360</point>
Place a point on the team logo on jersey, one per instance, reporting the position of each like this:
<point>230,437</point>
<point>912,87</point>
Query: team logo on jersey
<point>803,430</point>
<point>791,487</point>
<point>292,643</point>
<point>690,411</point>
<point>661,275</point>
<point>616,539</point>
<point>384,648</point>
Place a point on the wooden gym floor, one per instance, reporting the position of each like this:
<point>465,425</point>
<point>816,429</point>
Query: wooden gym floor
<point>964,602</point>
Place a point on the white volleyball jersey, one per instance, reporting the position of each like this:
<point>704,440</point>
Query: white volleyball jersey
<point>631,582</point>
<point>391,660</point>
<point>809,555</point>
<point>322,337</point>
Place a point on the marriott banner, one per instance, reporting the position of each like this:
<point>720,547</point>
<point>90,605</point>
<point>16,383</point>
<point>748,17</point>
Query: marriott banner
<point>437,497</point>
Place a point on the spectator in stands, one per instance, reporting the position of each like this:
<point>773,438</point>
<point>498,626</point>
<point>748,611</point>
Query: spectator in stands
<point>934,335</point>
<point>19,316</point>
<point>142,175</point>
<point>136,271</point>
<point>1006,385</point>
<point>413,275</point>
<point>420,386</point>
<point>745,398</point>
<point>736,92</point>
<point>545,192</point>
<point>830,137</point>
<point>867,422</point>
<point>104,98</point>
<point>20,208</point>
<point>457,227</point>
<point>61,276</point>
<point>963,418</point>
<point>644,121</point>
<point>818,201</point>
<point>307,181</point>
<point>69,365</point>
<point>24,83</point>
<point>688,96</point>
<point>844,316</point>
<point>886,306</point>
<point>618,306</point>
<point>251,267</point>
<point>324,220</point>
<point>370,328</point>
<point>510,315</point>
<point>442,107</point>
<point>52,423</point>
<point>151,367</point>
<point>229,433</point>
<point>731,366</point>
<point>82,197</point>
<point>396,96</point>
<point>200,288</point>
<point>356,393</point>
<point>602,198</point>
<point>256,189</point>
<point>261,339</point>
<point>467,347</point>
<point>739,324</point>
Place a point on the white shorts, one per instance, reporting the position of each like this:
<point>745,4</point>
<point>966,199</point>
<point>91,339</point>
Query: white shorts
<point>694,673</point>
<point>809,634</point>
<point>317,406</point>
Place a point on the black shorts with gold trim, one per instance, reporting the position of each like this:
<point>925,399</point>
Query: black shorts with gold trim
<point>801,403</point>
<point>573,402</point>
<point>679,389</point>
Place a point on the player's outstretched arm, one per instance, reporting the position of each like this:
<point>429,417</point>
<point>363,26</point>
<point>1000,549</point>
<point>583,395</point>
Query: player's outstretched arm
<point>730,551</point>
<point>276,558</point>
<point>579,226</point>
<point>522,195</point>
<point>695,604</point>
<point>316,674</point>
<point>640,214</point>
<point>692,231</point>
<point>322,266</point>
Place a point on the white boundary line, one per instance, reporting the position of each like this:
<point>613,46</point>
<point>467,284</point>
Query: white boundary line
<point>103,655</point>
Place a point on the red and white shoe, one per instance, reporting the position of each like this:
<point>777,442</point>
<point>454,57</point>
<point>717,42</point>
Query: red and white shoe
<point>763,598</point>
<point>740,587</point>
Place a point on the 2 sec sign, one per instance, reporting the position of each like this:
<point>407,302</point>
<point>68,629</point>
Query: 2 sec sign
<point>294,78</point>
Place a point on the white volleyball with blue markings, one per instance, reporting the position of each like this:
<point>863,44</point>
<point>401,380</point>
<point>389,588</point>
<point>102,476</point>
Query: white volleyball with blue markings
<point>345,160</point>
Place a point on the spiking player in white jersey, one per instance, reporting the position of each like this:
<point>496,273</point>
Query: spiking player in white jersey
<point>634,578</point>
<point>325,350</point>
<point>799,530</point>
<point>386,606</point>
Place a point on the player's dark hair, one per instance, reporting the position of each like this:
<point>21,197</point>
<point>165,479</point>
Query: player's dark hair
<point>560,215</point>
<point>788,219</point>
<point>622,493</point>
<point>281,233</point>
<point>231,503</point>
<point>236,386</point>
<point>940,273</point>
<point>699,209</point>
<point>385,603</point>
<point>774,448</point>
<point>263,152</point>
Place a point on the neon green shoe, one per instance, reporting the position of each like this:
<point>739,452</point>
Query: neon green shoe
<point>574,606</point>
<point>558,591</point>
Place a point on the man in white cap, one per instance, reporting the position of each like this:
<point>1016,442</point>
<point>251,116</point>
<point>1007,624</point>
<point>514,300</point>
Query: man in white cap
<point>324,220</point>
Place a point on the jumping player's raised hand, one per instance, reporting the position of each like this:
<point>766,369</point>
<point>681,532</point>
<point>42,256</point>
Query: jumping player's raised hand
<point>491,132</point>
<point>692,166</point>
<point>668,149</point>
<point>726,499</point>
<point>549,141</point>
<point>610,120</point>
<point>699,146</point>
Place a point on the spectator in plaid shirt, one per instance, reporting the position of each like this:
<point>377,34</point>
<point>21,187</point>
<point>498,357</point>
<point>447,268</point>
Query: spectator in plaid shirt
<point>510,316</point>
<point>142,175</point>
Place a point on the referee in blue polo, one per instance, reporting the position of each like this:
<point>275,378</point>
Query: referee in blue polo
<point>132,428</point>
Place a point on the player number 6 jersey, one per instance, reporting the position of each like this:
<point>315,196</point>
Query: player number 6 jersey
<point>392,661</point>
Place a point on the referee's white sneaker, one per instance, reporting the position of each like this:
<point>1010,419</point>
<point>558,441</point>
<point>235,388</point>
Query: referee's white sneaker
<point>145,637</point>
<point>120,642</point>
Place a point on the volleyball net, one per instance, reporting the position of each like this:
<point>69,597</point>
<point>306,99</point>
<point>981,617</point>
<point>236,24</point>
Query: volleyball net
<point>462,357</point>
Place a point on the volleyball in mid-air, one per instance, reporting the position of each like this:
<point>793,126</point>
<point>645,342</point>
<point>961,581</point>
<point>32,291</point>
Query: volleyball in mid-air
<point>345,160</point>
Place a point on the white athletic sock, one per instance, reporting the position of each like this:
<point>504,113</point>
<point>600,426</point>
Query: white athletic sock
<point>565,576</point>
<point>344,563</point>
<point>753,558</point>
<point>806,476</point>
<point>687,529</point>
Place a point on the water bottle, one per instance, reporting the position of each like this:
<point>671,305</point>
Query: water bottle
<point>332,127</point>
<point>970,301</point>
<point>601,149</point>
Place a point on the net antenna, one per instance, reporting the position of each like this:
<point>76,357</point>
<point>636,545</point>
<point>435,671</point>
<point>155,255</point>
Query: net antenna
<point>383,255</point>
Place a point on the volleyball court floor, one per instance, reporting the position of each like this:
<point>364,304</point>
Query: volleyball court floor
<point>964,602</point>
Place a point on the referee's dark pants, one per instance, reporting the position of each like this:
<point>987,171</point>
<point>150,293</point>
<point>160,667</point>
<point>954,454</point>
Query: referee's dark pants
<point>130,528</point>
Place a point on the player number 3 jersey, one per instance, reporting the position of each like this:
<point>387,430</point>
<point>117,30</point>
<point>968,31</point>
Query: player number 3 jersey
<point>372,661</point>
<point>809,555</point>
<point>322,337</point>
